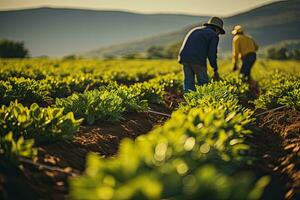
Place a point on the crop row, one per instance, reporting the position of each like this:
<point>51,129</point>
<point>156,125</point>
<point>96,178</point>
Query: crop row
<point>44,91</point>
<point>21,126</point>
<point>120,71</point>
<point>197,154</point>
<point>107,103</point>
<point>280,90</point>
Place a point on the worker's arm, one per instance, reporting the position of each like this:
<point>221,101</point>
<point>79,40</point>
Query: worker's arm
<point>255,45</point>
<point>235,51</point>
<point>212,52</point>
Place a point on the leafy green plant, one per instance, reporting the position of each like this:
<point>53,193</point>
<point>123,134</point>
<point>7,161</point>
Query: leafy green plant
<point>42,124</point>
<point>4,88</point>
<point>25,90</point>
<point>11,149</point>
<point>279,94</point>
<point>93,105</point>
<point>132,98</point>
<point>217,94</point>
<point>292,99</point>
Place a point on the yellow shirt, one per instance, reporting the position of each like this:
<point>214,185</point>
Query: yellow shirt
<point>241,46</point>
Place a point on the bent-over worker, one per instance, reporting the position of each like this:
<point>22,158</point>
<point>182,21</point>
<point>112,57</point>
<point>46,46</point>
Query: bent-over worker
<point>199,44</point>
<point>244,48</point>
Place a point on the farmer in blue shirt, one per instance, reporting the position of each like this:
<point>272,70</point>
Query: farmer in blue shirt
<point>199,44</point>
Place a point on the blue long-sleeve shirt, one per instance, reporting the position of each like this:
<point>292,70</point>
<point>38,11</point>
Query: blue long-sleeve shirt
<point>199,44</point>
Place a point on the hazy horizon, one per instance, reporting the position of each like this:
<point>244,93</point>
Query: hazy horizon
<point>192,7</point>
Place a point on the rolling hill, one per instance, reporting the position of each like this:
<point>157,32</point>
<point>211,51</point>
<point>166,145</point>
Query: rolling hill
<point>290,45</point>
<point>60,31</point>
<point>268,24</point>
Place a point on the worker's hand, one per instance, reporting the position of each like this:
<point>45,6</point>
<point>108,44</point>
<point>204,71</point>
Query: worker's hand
<point>235,67</point>
<point>216,75</point>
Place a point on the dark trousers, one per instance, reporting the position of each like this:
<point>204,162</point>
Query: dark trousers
<point>192,70</point>
<point>248,62</point>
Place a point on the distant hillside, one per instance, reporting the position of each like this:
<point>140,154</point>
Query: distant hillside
<point>57,32</point>
<point>268,24</point>
<point>288,44</point>
<point>133,47</point>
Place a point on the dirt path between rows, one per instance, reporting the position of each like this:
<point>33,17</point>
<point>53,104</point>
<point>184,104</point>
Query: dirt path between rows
<point>276,144</point>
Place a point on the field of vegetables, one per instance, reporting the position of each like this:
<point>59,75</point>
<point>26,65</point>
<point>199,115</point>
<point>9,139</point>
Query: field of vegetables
<point>83,129</point>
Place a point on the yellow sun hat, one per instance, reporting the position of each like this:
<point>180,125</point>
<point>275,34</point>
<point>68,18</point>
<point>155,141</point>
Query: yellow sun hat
<point>237,29</point>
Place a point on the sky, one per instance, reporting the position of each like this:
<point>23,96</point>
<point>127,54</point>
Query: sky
<point>195,7</point>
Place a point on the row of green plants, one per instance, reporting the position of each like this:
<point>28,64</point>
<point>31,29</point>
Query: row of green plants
<point>198,154</point>
<point>12,147</point>
<point>109,103</point>
<point>22,126</point>
<point>41,124</point>
<point>24,90</point>
<point>45,91</point>
<point>120,71</point>
<point>280,89</point>
<point>218,94</point>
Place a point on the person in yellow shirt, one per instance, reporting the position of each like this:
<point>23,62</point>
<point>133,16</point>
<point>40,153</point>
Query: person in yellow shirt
<point>244,48</point>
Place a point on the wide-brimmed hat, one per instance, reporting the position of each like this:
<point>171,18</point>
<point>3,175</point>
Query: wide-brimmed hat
<point>237,30</point>
<point>216,22</point>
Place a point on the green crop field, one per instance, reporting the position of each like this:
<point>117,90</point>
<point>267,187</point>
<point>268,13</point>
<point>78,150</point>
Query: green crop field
<point>85,129</point>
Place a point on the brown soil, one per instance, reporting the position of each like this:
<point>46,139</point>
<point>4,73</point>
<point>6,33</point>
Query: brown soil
<point>173,98</point>
<point>251,95</point>
<point>277,146</point>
